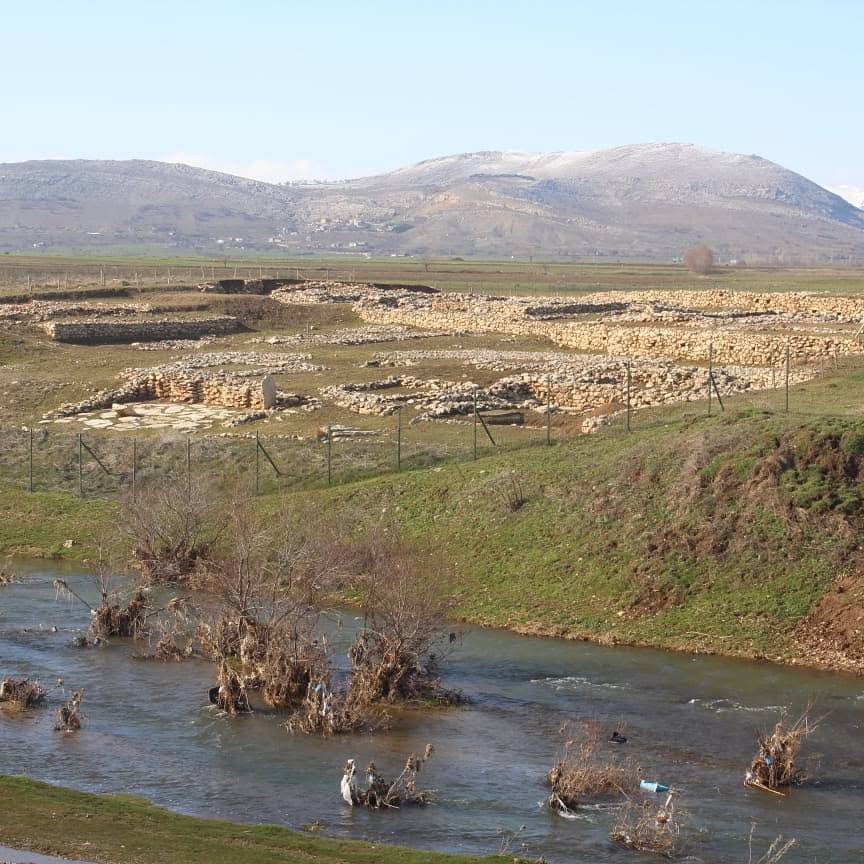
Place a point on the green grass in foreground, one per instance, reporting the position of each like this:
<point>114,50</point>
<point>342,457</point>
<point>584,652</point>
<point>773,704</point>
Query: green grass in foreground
<point>122,829</point>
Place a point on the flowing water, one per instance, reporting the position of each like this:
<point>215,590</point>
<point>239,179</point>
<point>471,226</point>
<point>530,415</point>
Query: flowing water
<point>690,722</point>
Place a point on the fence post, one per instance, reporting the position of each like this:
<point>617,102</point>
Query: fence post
<point>30,463</point>
<point>548,410</point>
<point>80,467</point>
<point>628,394</point>
<point>399,438</point>
<point>257,462</point>
<point>329,455</point>
<point>475,425</point>
<point>188,465</point>
<point>710,373</point>
<point>787,378</point>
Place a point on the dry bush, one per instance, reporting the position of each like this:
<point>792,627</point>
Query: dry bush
<point>650,827</point>
<point>69,716</point>
<point>586,769</point>
<point>699,259</point>
<point>510,491</point>
<point>171,528</point>
<point>406,600</point>
<point>8,576</point>
<point>379,793</point>
<point>21,693</point>
<point>775,765</point>
<point>271,590</point>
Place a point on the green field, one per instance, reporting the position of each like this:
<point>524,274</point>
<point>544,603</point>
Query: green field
<point>500,277</point>
<point>122,829</point>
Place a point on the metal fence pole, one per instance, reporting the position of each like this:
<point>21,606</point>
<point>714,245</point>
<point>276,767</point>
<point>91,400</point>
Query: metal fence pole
<point>629,383</point>
<point>188,465</point>
<point>30,463</point>
<point>257,463</point>
<point>329,455</point>
<point>548,410</point>
<point>399,439</point>
<point>710,373</point>
<point>475,425</point>
<point>787,379</point>
<point>80,467</point>
<point>134,466</point>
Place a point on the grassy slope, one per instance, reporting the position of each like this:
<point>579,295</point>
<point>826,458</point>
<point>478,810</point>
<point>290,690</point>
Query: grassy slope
<point>709,534</point>
<point>122,829</point>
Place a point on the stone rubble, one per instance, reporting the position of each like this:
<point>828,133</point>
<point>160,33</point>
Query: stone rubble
<point>356,336</point>
<point>39,311</point>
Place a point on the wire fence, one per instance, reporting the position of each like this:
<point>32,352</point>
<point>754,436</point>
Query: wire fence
<point>106,463</point>
<point>101,462</point>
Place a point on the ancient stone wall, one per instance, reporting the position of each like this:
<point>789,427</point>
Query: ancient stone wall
<point>488,314</point>
<point>100,332</point>
<point>219,389</point>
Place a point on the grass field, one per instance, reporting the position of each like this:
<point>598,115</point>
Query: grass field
<point>122,829</point>
<point>499,277</point>
<point>683,535</point>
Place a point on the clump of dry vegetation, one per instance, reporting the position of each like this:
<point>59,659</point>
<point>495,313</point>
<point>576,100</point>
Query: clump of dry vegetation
<point>21,693</point>
<point>119,613</point>
<point>69,716</point>
<point>8,576</point>
<point>775,765</point>
<point>272,590</point>
<point>405,598</point>
<point>650,826</point>
<point>776,851</point>
<point>588,769</point>
<point>510,491</point>
<point>172,528</point>
<point>379,793</point>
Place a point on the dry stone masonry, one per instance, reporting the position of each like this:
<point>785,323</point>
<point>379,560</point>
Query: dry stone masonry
<point>94,331</point>
<point>38,311</point>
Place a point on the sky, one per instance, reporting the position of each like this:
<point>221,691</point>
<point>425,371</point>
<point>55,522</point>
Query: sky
<point>279,90</point>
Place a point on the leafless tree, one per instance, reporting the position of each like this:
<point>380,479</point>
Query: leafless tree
<point>699,259</point>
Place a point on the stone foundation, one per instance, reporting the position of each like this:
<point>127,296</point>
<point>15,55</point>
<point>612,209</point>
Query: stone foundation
<point>102,332</point>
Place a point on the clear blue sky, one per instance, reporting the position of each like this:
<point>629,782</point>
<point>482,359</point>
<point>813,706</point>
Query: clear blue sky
<point>334,89</point>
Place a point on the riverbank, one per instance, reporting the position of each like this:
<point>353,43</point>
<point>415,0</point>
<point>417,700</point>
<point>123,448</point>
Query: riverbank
<point>734,535</point>
<point>122,829</point>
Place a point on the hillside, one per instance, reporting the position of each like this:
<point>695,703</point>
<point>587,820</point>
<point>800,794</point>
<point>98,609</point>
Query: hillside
<point>646,202</point>
<point>736,535</point>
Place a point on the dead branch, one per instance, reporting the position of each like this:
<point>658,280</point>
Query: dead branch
<point>650,827</point>
<point>587,768</point>
<point>775,764</point>
<point>69,716</point>
<point>379,794</point>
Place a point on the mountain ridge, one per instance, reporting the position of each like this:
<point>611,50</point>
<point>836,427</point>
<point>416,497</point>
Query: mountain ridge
<point>637,202</point>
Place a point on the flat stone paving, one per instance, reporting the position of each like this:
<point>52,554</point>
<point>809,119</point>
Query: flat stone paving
<point>153,415</point>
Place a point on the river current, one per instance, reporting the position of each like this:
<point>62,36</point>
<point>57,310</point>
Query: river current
<point>690,722</point>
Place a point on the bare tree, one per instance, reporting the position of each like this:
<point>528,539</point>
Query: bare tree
<point>172,527</point>
<point>699,259</point>
<point>406,600</point>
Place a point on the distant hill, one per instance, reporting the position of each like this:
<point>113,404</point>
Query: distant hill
<point>641,202</point>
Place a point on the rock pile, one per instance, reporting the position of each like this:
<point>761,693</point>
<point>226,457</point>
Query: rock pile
<point>99,332</point>
<point>579,384</point>
<point>269,362</point>
<point>356,336</point>
<point>39,311</point>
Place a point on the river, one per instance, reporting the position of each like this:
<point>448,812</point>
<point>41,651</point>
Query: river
<point>690,722</point>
